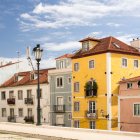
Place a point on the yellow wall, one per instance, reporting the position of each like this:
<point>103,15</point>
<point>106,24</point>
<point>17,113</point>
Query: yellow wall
<point>82,76</point>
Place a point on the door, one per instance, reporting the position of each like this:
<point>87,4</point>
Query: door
<point>29,93</point>
<point>60,120</point>
<point>12,112</point>
<point>11,94</point>
<point>92,107</point>
<point>59,103</point>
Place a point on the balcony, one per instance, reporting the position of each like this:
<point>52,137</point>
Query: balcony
<point>90,93</point>
<point>29,119</point>
<point>28,101</point>
<point>59,108</point>
<point>11,118</point>
<point>11,101</point>
<point>92,114</point>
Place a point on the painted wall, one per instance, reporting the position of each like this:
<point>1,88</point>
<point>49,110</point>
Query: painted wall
<point>82,76</point>
<point>44,103</point>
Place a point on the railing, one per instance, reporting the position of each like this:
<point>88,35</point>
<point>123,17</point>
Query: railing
<point>59,108</point>
<point>11,101</point>
<point>29,119</point>
<point>11,118</point>
<point>90,93</point>
<point>28,101</point>
<point>93,114</point>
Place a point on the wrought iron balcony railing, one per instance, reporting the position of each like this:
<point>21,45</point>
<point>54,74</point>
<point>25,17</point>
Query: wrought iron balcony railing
<point>28,101</point>
<point>59,108</point>
<point>29,119</point>
<point>90,93</point>
<point>11,118</point>
<point>11,101</point>
<point>92,114</point>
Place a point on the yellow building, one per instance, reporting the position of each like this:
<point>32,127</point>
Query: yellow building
<point>103,62</point>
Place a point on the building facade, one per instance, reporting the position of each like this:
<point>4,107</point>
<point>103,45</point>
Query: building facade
<point>129,105</point>
<point>96,70</point>
<point>60,92</point>
<point>18,98</point>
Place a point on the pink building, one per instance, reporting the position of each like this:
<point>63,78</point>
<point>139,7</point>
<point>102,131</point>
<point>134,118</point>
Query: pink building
<point>129,105</point>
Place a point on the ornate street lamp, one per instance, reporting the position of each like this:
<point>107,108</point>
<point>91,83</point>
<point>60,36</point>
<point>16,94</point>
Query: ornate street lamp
<point>38,54</point>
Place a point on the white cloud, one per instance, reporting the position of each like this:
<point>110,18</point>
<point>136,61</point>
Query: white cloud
<point>126,37</point>
<point>62,46</point>
<point>113,24</point>
<point>76,12</point>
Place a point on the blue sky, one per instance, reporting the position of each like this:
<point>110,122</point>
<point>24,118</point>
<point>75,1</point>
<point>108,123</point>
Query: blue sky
<point>58,24</point>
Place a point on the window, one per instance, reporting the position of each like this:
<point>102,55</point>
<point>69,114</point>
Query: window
<point>69,80</point>
<point>29,93</point>
<point>92,107</point>
<point>32,76</point>
<point>3,95</point>
<point>69,99</point>
<point>20,95</point>
<point>129,85</point>
<point>76,124</point>
<point>76,106</point>
<point>92,124</point>
<point>76,87</point>
<point>11,94</point>
<point>76,66</point>
<point>16,77</point>
<point>69,116</point>
<point>59,82</point>
<point>85,46</point>
<point>139,84</point>
<point>20,112</point>
<point>3,112</point>
<point>29,112</point>
<point>124,62</point>
<point>91,64</point>
<point>61,64</point>
<point>136,64</point>
<point>137,109</point>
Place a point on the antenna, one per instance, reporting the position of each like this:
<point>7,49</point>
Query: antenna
<point>29,58</point>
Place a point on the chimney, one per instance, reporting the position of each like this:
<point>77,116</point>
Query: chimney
<point>135,43</point>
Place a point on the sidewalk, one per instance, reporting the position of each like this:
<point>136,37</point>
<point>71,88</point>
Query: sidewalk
<point>62,132</point>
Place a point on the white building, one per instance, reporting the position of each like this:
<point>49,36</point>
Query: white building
<point>18,98</point>
<point>7,69</point>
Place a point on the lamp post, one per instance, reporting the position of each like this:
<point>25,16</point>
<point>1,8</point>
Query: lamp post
<point>38,54</point>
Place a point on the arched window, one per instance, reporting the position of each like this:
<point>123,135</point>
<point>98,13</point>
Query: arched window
<point>139,84</point>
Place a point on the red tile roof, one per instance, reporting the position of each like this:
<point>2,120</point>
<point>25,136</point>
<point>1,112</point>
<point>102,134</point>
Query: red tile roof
<point>108,44</point>
<point>25,80</point>
<point>8,64</point>
<point>65,56</point>
<point>133,79</point>
<point>89,38</point>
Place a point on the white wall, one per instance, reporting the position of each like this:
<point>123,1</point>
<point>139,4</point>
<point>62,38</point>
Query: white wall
<point>44,102</point>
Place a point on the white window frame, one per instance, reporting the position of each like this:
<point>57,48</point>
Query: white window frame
<point>131,85</point>
<point>123,66</point>
<point>134,108</point>
<point>93,64</point>
<point>85,46</point>
<point>58,116</point>
<point>95,105</point>
<point>75,89</point>
<point>76,68</point>
<point>92,125</point>
<point>2,113</point>
<point>77,107</point>
<point>136,67</point>
<point>19,113</point>
<point>1,95</point>
<point>62,82</point>
<point>21,92</point>
<point>59,97</point>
